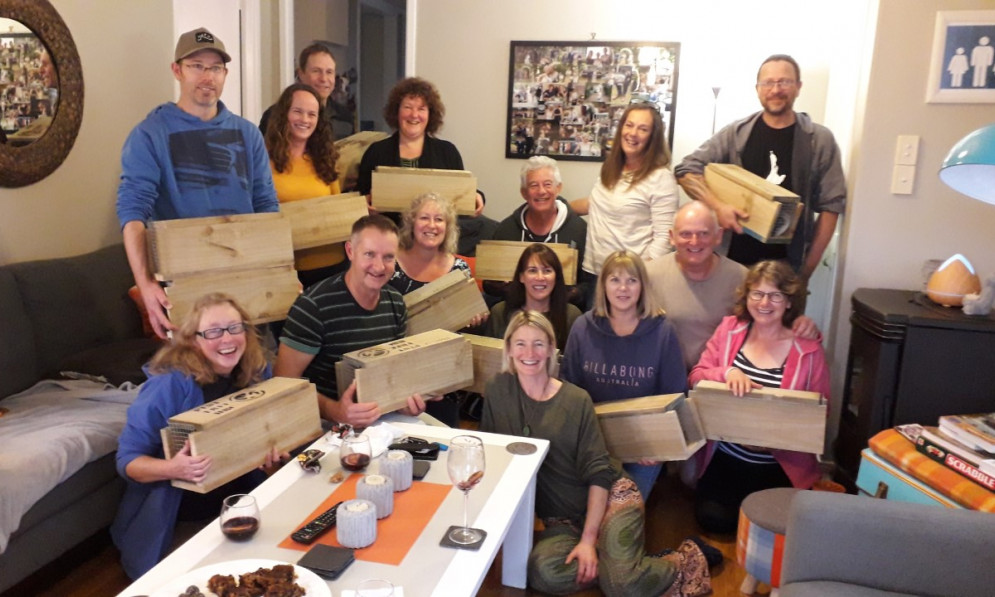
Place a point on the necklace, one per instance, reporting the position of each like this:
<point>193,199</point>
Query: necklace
<point>526,418</point>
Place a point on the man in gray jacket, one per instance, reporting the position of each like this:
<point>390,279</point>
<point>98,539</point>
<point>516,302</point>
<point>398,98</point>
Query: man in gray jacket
<point>786,148</point>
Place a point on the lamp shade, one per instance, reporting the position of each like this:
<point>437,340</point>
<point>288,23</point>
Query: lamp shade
<point>969,168</point>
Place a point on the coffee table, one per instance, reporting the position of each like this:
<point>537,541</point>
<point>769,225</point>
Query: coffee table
<point>503,505</point>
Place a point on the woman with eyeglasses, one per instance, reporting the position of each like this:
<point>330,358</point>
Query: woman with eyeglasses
<point>753,348</point>
<point>213,354</point>
<point>302,157</point>
<point>538,286</point>
<point>633,201</point>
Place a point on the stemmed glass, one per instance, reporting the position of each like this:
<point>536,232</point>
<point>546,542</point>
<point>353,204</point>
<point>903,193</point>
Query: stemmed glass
<point>465,462</point>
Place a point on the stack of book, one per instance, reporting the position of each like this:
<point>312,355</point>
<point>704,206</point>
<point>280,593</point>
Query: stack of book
<point>962,443</point>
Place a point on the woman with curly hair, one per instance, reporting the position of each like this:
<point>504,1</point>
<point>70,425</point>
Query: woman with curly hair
<point>753,348</point>
<point>302,157</point>
<point>213,354</point>
<point>415,111</point>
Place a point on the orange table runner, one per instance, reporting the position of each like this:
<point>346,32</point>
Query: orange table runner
<point>412,511</point>
<point>899,451</point>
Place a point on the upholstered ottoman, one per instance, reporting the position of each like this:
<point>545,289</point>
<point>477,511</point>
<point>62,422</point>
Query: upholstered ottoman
<point>763,518</point>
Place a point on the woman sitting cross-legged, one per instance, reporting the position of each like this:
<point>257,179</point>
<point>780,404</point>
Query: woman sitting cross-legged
<point>755,348</point>
<point>593,515</point>
<point>213,354</point>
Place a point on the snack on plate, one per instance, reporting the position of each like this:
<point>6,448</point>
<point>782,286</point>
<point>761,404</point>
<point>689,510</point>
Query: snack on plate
<point>277,581</point>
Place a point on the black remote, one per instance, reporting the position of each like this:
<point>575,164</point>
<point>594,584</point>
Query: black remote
<point>317,527</point>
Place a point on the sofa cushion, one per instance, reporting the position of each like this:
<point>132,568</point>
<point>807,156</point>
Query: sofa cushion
<point>117,362</point>
<point>17,342</point>
<point>828,588</point>
<point>77,303</point>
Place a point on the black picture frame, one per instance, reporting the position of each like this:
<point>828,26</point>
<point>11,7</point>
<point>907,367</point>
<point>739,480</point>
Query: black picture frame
<point>565,97</point>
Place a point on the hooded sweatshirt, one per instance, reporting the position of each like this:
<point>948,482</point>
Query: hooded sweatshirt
<point>569,228</point>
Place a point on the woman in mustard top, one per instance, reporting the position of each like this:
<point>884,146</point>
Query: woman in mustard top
<point>302,156</point>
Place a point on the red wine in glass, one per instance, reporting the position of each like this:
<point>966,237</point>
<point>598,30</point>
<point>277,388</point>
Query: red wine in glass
<point>241,528</point>
<point>355,461</point>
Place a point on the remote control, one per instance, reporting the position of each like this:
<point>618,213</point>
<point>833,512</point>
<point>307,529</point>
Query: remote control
<point>317,527</point>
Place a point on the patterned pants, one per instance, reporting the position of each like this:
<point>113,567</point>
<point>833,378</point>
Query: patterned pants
<point>624,569</point>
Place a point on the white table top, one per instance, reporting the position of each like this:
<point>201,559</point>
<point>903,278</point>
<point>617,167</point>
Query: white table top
<point>506,514</point>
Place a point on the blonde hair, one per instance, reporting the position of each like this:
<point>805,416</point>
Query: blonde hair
<point>533,319</point>
<point>406,238</point>
<point>184,355</point>
<point>632,264</point>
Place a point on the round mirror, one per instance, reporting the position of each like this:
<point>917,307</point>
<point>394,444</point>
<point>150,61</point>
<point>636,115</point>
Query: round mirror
<point>41,91</point>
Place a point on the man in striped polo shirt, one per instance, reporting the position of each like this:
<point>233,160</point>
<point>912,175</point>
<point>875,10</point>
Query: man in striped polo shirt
<point>347,312</point>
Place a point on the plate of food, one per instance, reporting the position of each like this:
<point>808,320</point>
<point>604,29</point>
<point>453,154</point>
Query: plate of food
<point>247,578</point>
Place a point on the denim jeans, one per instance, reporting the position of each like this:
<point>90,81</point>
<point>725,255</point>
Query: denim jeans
<point>644,476</point>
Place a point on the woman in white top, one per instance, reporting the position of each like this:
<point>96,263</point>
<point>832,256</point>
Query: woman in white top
<point>633,202</point>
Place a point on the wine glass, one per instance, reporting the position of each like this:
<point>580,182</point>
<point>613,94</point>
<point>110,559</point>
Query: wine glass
<point>465,462</point>
<point>355,452</point>
<point>239,517</point>
<point>375,588</point>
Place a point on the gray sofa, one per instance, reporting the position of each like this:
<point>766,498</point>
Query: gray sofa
<point>71,314</point>
<point>858,546</point>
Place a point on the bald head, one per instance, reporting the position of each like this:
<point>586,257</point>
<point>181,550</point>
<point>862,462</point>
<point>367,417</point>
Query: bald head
<point>695,235</point>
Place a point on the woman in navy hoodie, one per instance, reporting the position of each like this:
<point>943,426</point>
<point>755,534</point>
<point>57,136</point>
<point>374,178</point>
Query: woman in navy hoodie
<point>625,347</point>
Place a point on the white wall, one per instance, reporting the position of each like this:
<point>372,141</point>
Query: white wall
<point>125,49</point>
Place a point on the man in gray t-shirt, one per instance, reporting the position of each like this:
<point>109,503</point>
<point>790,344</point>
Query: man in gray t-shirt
<point>695,286</point>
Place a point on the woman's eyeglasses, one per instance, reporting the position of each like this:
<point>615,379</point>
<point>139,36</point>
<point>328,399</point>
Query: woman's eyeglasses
<point>234,329</point>
<point>774,297</point>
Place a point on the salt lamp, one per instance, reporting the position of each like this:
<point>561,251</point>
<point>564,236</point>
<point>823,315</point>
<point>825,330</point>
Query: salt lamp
<point>951,281</point>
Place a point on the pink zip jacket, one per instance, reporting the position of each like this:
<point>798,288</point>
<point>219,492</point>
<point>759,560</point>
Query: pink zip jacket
<point>805,369</point>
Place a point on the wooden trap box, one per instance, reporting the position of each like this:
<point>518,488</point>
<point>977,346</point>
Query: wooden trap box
<point>497,259</point>
<point>433,362</point>
<point>393,188</point>
<point>486,360</point>
<point>663,427</point>
<point>179,248</point>
<point>237,431</point>
<point>774,211</point>
<point>265,294</point>
<point>323,220</point>
<point>448,303</point>
<point>768,417</point>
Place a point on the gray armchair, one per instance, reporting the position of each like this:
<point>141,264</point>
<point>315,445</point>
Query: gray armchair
<point>856,546</point>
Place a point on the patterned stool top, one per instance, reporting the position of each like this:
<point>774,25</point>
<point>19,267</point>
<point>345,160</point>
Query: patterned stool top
<point>768,509</point>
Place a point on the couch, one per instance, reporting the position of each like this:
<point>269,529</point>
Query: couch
<point>857,546</point>
<point>72,314</point>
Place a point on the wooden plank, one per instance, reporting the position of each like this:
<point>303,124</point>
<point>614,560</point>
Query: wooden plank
<point>192,246</point>
<point>323,220</point>
<point>266,294</point>
<point>433,362</point>
<point>774,211</point>
<point>497,259</point>
<point>448,303</point>
<point>486,360</point>
<point>660,428</point>
<point>769,417</point>
<point>237,430</point>
<point>393,189</point>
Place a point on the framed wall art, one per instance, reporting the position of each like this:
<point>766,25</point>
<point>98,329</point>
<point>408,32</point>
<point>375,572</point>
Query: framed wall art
<point>963,58</point>
<point>565,98</point>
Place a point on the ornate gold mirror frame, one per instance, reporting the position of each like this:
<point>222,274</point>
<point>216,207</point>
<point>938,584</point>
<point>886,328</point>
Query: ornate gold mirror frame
<point>20,166</point>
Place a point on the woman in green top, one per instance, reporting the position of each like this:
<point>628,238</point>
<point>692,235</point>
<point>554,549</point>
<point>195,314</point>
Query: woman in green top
<point>538,285</point>
<point>593,515</point>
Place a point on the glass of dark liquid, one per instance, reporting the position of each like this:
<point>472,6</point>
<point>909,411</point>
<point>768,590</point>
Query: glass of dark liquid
<point>355,453</point>
<point>239,517</point>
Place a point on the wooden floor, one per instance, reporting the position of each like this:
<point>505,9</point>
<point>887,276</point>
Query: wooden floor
<point>92,569</point>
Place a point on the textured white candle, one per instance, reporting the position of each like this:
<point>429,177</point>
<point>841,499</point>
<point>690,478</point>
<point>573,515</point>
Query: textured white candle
<point>379,490</point>
<point>399,466</point>
<point>357,523</point>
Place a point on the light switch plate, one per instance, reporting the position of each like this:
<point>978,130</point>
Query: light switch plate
<point>907,150</point>
<point>902,178</point>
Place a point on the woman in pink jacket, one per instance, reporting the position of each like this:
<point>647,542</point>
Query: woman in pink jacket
<point>753,348</point>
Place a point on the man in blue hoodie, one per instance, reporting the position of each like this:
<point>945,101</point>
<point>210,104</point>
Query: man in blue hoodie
<point>189,159</point>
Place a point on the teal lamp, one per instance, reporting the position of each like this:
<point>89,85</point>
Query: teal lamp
<point>969,168</point>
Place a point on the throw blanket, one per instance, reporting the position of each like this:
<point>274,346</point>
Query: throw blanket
<point>52,430</point>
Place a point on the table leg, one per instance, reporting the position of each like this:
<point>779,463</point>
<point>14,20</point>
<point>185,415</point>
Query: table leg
<point>518,542</point>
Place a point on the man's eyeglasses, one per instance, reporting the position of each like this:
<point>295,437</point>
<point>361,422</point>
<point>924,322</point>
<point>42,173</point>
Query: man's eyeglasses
<point>235,329</point>
<point>200,69</point>
<point>782,83</point>
<point>774,297</point>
